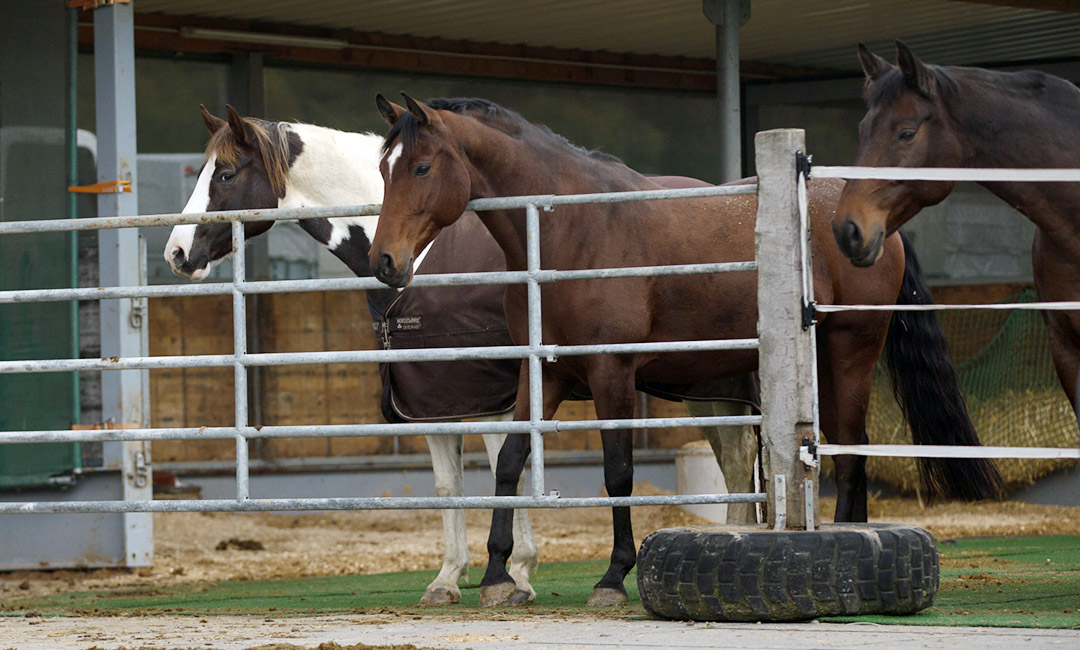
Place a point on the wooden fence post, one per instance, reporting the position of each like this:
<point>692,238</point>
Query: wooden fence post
<point>786,352</point>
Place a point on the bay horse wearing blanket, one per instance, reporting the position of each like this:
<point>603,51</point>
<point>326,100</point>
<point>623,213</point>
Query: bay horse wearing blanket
<point>441,155</point>
<point>946,116</point>
<point>256,164</point>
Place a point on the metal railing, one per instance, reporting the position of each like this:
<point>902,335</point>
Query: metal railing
<point>240,360</point>
<point>947,174</point>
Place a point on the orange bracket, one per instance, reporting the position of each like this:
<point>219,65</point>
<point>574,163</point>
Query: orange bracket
<point>86,5</point>
<point>109,187</point>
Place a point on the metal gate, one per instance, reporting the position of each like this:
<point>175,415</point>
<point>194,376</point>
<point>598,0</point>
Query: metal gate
<point>787,394</point>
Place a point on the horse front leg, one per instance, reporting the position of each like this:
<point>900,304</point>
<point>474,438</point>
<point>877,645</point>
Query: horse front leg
<point>446,462</point>
<point>524,559</point>
<point>735,449</point>
<point>612,386</point>
<point>498,587</point>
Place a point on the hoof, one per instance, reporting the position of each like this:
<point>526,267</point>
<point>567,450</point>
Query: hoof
<point>495,595</point>
<point>520,597</point>
<point>440,596</point>
<point>607,597</point>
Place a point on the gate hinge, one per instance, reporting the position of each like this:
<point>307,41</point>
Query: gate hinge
<point>141,470</point>
<point>803,163</point>
<point>809,311</point>
<point>808,454</point>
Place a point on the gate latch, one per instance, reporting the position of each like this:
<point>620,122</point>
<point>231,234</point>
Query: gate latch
<point>141,477</point>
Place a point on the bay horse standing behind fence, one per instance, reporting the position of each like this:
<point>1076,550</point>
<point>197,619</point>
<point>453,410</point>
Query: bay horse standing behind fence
<point>441,155</point>
<point>256,164</point>
<point>921,115</point>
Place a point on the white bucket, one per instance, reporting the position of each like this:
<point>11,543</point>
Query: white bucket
<point>697,472</point>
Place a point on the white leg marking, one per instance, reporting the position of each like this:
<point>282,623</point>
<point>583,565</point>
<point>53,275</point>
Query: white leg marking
<point>446,461</point>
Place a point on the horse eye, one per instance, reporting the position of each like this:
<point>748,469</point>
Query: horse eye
<point>906,135</point>
<point>225,177</point>
<point>422,170</point>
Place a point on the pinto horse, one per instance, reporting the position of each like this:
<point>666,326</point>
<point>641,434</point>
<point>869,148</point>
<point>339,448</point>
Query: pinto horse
<point>256,164</point>
<point>442,154</point>
<point>923,115</point>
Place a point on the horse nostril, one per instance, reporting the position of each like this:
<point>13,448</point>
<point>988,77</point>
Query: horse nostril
<point>178,256</point>
<point>852,235</point>
<point>386,265</point>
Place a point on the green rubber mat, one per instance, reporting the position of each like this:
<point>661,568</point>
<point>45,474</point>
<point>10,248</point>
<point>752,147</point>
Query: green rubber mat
<point>1006,582</point>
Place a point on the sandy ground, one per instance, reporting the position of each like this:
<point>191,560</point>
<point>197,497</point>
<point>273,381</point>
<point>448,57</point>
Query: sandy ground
<point>345,543</point>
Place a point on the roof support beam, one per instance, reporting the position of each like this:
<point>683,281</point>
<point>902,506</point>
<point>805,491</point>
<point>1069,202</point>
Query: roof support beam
<point>728,16</point>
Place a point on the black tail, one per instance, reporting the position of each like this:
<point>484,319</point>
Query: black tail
<point>926,387</point>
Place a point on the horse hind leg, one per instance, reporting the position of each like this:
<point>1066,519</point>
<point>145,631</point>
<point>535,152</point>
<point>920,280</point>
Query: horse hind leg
<point>524,559</point>
<point>735,449</point>
<point>846,367</point>
<point>446,462</point>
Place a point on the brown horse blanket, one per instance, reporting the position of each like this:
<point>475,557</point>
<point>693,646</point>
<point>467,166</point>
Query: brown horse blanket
<point>472,316</point>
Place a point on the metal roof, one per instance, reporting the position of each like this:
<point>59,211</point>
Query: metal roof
<point>817,33</point>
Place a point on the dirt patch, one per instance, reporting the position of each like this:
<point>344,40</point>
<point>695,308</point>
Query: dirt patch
<point>362,542</point>
<point>235,543</point>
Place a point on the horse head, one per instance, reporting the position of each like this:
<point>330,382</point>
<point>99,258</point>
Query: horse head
<point>247,162</point>
<point>426,183</point>
<point>907,124</point>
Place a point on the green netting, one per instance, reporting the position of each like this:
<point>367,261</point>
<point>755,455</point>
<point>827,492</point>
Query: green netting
<point>1012,391</point>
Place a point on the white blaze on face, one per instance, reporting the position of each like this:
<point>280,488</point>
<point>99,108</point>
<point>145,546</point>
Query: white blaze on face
<point>392,159</point>
<point>182,237</point>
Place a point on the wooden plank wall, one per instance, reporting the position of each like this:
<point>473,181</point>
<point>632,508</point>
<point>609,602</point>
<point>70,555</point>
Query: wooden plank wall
<point>308,394</point>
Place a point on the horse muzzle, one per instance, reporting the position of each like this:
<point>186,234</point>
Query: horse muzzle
<point>854,245</point>
<point>390,273</point>
<point>182,266</point>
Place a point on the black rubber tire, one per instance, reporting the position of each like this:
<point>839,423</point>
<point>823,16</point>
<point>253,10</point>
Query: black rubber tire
<point>714,573</point>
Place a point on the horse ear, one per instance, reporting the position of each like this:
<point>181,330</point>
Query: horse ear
<point>213,123</point>
<point>915,72</point>
<point>238,124</point>
<point>423,114</point>
<point>389,110</point>
<point>873,65</point>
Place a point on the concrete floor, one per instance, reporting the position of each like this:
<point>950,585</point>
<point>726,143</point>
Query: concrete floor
<point>541,632</point>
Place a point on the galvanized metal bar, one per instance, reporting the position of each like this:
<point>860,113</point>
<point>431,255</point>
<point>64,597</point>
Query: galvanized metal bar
<point>366,356</point>
<point>779,502</point>
<point>1047,175</point>
<point>1073,305</point>
<point>947,451</point>
<point>240,390</point>
<point>288,214</point>
<point>352,284</point>
<point>366,430</point>
<point>536,387</point>
<point>368,503</point>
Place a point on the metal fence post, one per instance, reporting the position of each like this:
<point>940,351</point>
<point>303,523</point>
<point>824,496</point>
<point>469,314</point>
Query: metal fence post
<point>122,323</point>
<point>785,351</point>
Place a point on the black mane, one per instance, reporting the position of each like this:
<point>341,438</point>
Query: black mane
<point>488,112</point>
